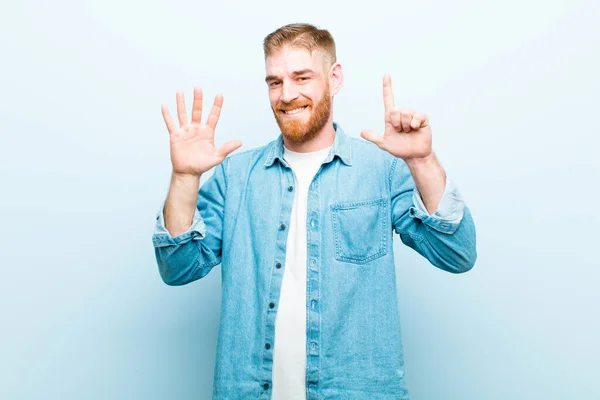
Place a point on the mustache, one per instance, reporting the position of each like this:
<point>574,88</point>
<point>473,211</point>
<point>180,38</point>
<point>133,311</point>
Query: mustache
<point>293,105</point>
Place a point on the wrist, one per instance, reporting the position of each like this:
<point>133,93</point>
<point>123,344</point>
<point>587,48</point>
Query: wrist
<point>416,162</point>
<point>185,179</point>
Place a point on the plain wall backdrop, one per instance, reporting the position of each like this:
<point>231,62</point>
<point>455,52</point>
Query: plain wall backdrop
<point>511,88</point>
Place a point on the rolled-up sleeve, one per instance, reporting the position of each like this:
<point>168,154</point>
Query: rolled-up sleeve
<point>447,238</point>
<point>161,236</point>
<point>449,213</point>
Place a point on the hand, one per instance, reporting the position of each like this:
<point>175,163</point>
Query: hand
<point>193,149</point>
<point>407,134</point>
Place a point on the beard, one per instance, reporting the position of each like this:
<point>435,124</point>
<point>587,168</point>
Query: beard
<point>297,130</point>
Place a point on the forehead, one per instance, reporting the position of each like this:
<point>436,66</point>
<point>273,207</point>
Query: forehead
<point>290,59</point>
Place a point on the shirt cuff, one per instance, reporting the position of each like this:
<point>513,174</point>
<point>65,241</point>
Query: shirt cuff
<point>449,213</point>
<point>161,236</point>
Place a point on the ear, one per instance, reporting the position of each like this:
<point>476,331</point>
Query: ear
<point>336,78</point>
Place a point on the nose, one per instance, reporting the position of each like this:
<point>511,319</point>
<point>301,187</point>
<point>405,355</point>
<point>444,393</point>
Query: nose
<point>289,92</point>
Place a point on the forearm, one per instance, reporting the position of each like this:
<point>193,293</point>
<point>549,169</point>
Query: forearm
<point>430,180</point>
<point>181,203</point>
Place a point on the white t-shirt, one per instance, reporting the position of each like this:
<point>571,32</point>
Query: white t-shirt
<point>289,349</point>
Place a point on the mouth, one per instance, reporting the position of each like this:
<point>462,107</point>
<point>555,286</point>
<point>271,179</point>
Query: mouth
<point>294,111</point>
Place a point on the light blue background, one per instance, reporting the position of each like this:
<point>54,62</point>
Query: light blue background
<point>511,88</point>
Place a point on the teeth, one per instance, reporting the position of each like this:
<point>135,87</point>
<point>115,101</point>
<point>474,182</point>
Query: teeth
<point>295,110</point>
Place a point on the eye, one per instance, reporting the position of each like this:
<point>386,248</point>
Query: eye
<point>303,78</point>
<point>274,83</point>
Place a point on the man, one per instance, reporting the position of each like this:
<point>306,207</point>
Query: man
<point>303,229</point>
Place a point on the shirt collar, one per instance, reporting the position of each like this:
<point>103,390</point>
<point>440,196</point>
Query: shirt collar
<point>341,147</point>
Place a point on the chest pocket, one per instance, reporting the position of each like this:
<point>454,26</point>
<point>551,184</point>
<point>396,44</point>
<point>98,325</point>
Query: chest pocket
<point>360,230</point>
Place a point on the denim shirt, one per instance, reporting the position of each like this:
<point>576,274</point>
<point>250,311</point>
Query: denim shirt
<point>359,197</point>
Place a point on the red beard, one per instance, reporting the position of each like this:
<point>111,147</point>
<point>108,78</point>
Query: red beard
<point>297,130</point>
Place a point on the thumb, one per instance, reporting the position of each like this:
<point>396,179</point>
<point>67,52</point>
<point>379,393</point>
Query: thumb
<point>373,137</point>
<point>229,147</point>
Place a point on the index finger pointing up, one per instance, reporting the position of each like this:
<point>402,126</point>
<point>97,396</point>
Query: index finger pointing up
<point>388,95</point>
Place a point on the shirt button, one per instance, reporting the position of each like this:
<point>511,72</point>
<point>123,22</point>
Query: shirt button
<point>272,305</point>
<point>290,188</point>
<point>267,346</point>
<point>266,385</point>
<point>282,226</point>
<point>278,265</point>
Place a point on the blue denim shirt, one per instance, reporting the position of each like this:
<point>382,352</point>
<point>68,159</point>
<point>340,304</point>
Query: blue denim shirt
<point>359,197</point>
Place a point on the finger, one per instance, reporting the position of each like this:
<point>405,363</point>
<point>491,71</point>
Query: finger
<point>197,106</point>
<point>373,137</point>
<point>406,119</point>
<point>181,109</point>
<point>215,112</point>
<point>168,119</point>
<point>229,147</point>
<point>388,95</point>
<point>395,118</point>
<point>418,121</point>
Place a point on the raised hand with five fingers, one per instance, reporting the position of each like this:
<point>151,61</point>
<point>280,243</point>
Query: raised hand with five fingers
<point>193,150</point>
<point>407,134</point>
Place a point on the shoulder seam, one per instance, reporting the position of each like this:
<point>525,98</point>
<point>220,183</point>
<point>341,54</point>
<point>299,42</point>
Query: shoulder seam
<point>392,168</point>
<point>226,173</point>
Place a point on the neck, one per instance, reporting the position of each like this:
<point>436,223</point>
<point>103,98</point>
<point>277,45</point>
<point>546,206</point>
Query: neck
<point>322,140</point>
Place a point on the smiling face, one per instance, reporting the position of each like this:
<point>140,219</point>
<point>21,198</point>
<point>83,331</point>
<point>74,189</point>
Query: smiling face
<point>299,92</point>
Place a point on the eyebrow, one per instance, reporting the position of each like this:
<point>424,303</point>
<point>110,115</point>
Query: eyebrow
<point>295,73</point>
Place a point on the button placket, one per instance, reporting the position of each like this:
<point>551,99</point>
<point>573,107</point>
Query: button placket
<point>275,287</point>
<point>313,282</point>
